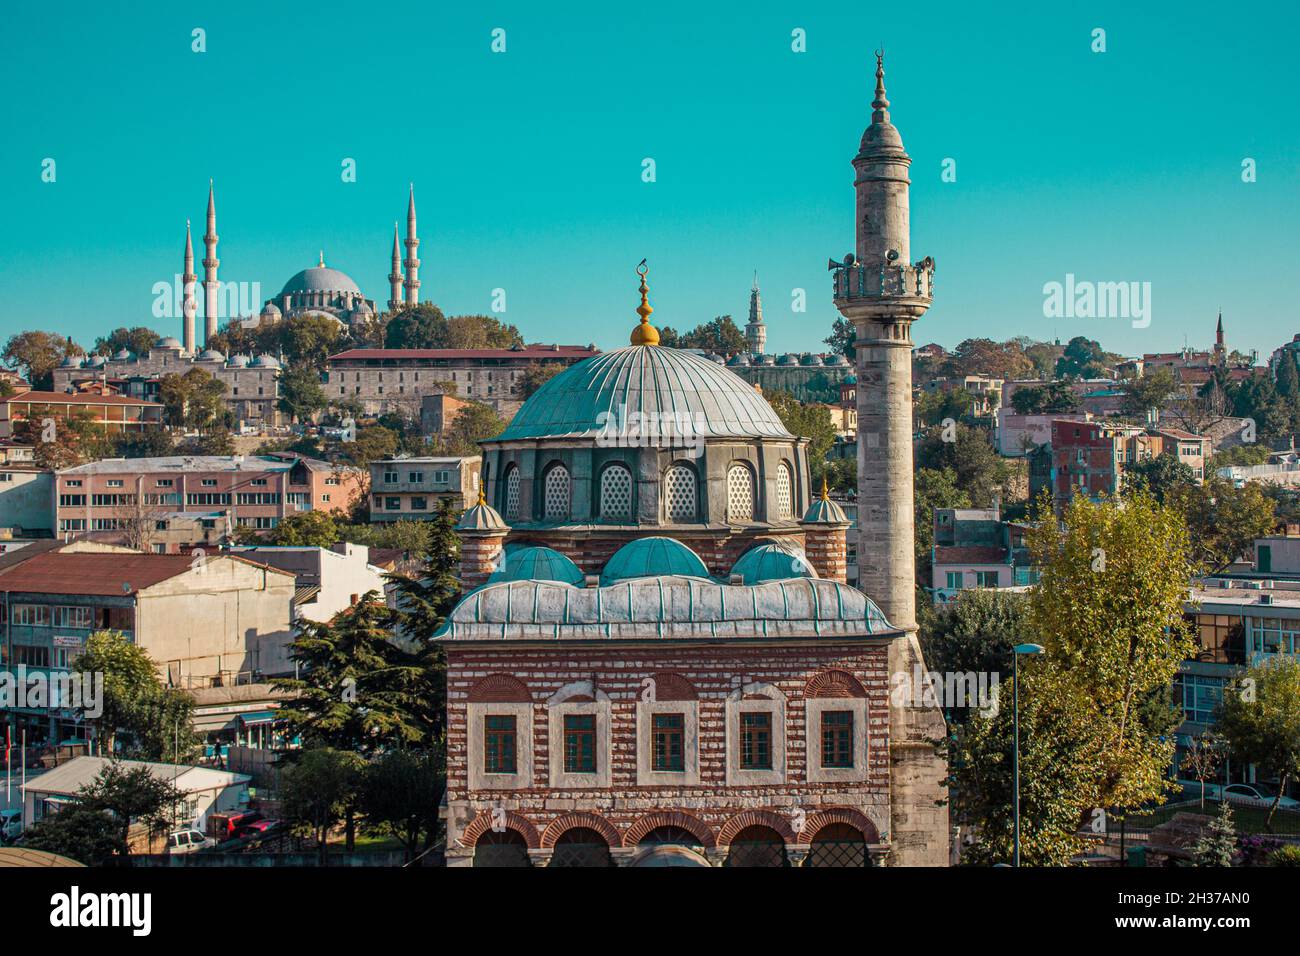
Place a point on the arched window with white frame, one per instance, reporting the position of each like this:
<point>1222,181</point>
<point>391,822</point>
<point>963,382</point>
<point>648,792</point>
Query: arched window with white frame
<point>555,494</point>
<point>740,493</point>
<point>784,491</point>
<point>680,502</point>
<point>616,493</point>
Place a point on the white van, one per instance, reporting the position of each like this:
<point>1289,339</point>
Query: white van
<point>11,824</point>
<point>188,841</point>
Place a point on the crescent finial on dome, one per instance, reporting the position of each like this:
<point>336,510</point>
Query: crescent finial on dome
<point>644,333</point>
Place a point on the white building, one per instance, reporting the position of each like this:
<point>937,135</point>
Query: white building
<point>328,580</point>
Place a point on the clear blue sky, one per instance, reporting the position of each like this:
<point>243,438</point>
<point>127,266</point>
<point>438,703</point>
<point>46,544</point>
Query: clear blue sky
<point>1118,166</point>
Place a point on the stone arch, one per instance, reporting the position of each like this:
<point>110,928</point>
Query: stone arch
<point>835,682</point>
<point>756,817</point>
<point>576,692</point>
<point>669,686</point>
<point>854,818</point>
<point>668,818</point>
<point>569,821</point>
<point>500,689</point>
<point>482,822</point>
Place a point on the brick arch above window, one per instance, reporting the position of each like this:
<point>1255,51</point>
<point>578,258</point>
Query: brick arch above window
<point>824,818</point>
<point>834,683</point>
<point>500,689</point>
<point>588,821</point>
<point>669,686</point>
<point>669,818</point>
<point>755,818</point>
<point>482,823</point>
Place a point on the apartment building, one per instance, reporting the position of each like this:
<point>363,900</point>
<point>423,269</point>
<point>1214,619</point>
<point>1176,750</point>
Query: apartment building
<point>257,491</point>
<point>26,492</point>
<point>975,548</point>
<point>116,413</point>
<point>329,580</point>
<point>411,488</point>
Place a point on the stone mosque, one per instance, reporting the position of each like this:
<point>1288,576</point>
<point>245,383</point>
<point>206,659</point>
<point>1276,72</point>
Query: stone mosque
<point>658,661</point>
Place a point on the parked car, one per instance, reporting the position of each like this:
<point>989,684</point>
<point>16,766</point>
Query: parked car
<point>1191,789</point>
<point>239,821</point>
<point>1258,794</point>
<point>11,824</point>
<point>188,841</point>
<point>257,828</point>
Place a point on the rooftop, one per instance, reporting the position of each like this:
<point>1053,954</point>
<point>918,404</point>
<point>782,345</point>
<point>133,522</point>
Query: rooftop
<point>108,574</point>
<point>79,398</point>
<point>524,352</point>
<point>198,463</point>
<point>68,778</point>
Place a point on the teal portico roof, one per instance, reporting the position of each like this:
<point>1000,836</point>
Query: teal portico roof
<point>536,563</point>
<point>653,380</point>
<point>772,562</point>
<point>665,608</point>
<point>652,557</point>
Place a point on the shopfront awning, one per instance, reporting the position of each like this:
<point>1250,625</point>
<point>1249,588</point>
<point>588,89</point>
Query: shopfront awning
<point>258,717</point>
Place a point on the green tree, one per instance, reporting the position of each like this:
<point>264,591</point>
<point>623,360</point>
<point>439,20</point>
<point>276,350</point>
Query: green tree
<point>303,529</point>
<point>722,336</point>
<point>1260,719</point>
<point>933,488</point>
<point>981,356</point>
<point>400,793</point>
<point>840,341</point>
<point>318,791</point>
<point>1082,358</point>
<point>1218,841</point>
<point>981,472</point>
<point>808,421</point>
<point>973,635</point>
<point>76,832</point>
<point>192,400</point>
<point>421,326</point>
<point>1223,520</point>
<point>62,441</point>
<point>1161,477</point>
<point>1237,455</point>
<point>538,374</point>
<point>137,340</point>
<point>1044,399</point>
<point>151,443</point>
<point>479,332</point>
<point>1150,393</point>
<point>474,423</point>
<point>215,441</point>
<point>307,340</point>
<point>373,442</point>
<point>301,395</point>
<point>36,354</point>
<point>132,795</point>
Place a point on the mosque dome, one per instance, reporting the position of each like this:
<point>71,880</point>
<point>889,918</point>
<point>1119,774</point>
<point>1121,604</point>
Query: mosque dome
<point>363,307</point>
<point>538,564</point>
<point>825,511</point>
<point>772,562</point>
<point>271,308</point>
<point>238,361</point>
<point>481,517</point>
<point>96,360</point>
<point>211,355</point>
<point>265,361</point>
<point>122,355</point>
<point>72,361</point>
<point>320,278</point>
<point>787,359</point>
<point>836,359</point>
<point>652,557</point>
<point>811,359</point>
<point>653,380</point>
<point>739,359</point>
<point>170,342</point>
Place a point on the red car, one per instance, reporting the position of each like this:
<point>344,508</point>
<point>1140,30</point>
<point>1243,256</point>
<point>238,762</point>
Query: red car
<point>238,822</point>
<point>257,828</point>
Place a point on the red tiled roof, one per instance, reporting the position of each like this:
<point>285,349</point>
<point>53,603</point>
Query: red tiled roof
<point>969,555</point>
<point>79,398</point>
<point>86,572</point>
<point>527,352</point>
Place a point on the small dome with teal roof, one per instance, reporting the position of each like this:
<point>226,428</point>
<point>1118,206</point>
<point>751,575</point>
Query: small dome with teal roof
<point>535,563</point>
<point>772,562</point>
<point>481,517</point>
<point>653,557</point>
<point>825,511</point>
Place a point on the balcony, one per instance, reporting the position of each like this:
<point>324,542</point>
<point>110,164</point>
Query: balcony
<point>852,281</point>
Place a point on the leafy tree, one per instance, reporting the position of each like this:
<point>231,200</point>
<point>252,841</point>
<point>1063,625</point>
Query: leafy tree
<point>37,354</point>
<point>1161,477</point>
<point>809,421</point>
<point>137,340</point>
<point>150,443</point>
<point>1260,719</point>
<point>373,442</point>
<point>142,717</point>
<point>1044,399</point>
<point>538,374</point>
<point>421,326</point>
<point>980,471</point>
<point>193,400</point>
<point>1150,393</point>
<point>843,334</point>
<point>62,441</point>
<point>979,356</point>
<point>301,395</point>
<point>400,792</point>
<point>1202,757</point>
<point>303,529</point>
<point>1082,358</point>
<point>76,832</point>
<point>480,332</point>
<point>319,790</point>
<point>424,599</point>
<point>474,423</point>
<point>1223,520</point>
<point>217,441</point>
<point>974,634</point>
<point>933,488</point>
<point>1218,840</point>
<point>129,795</point>
<point>1237,455</point>
<point>722,336</point>
<point>842,475</point>
<point>933,406</point>
<point>1288,381</point>
<point>403,535</point>
<point>307,340</point>
<point>358,690</point>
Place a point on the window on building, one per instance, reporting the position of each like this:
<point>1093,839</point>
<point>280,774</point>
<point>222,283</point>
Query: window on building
<point>390,477</point>
<point>784,492</point>
<point>31,615</point>
<point>499,744</point>
<point>31,656</point>
<point>755,741</point>
<point>1201,697</point>
<point>115,482</point>
<point>679,494</point>
<point>668,742</point>
<point>415,477</point>
<point>579,743</point>
<point>393,504</point>
<point>954,580</point>
<point>616,493</point>
<point>986,579</point>
<point>556,501</point>
<point>208,482</point>
<point>419,503</point>
<point>512,492</point>
<point>837,738</point>
<point>740,493</point>
<point>65,616</point>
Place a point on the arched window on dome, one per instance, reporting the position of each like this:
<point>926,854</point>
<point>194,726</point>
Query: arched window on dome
<point>740,493</point>
<point>616,493</point>
<point>512,492</point>
<point>680,502</point>
<point>784,491</point>
<point>555,494</point>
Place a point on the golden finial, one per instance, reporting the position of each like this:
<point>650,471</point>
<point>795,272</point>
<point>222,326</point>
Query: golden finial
<point>826,495</point>
<point>482,501</point>
<point>645,333</point>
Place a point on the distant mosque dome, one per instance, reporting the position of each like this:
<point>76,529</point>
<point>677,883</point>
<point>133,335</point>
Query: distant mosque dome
<point>787,359</point>
<point>265,361</point>
<point>170,342</point>
<point>585,398</point>
<point>72,361</point>
<point>96,361</point>
<point>766,360</point>
<point>811,360</point>
<point>211,355</point>
<point>239,361</point>
<point>320,279</point>
<point>739,359</point>
<point>652,557</point>
<point>836,359</point>
<point>271,309</point>
<point>363,307</point>
<point>772,562</point>
<point>122,355</point>
<point>536,563</point>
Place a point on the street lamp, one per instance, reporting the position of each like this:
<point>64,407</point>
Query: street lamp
<point>1015,725</point>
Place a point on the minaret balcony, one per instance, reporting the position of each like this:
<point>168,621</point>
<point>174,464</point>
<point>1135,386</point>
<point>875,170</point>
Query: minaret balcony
<point>853,282</point>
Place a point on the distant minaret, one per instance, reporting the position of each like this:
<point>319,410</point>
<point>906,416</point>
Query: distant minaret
<point>187,292</point>
<point>755,330</point>
<point>882,293</point>
<point>395,277</point>
<point>1220,350</point>
<point>210,263</point>
<point>412,283</point>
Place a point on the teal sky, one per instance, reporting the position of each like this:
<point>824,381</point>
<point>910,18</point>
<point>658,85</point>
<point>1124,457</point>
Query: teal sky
<point>1115,166</point>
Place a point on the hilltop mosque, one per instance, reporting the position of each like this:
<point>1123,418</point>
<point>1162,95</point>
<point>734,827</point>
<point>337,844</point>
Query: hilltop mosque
<point>659,662</point>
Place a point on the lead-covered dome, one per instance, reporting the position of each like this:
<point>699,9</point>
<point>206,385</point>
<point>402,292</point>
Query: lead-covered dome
<point>605,390</point>
<point>320,279</point>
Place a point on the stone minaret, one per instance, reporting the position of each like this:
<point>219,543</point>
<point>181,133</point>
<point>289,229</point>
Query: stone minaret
<point>412,283</point>
<point>1220,348</point>
<point>755,330</point>
<point>882,293</point>
<point>187,293</point>
<point>395,277</point>
<point>210,263</point>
